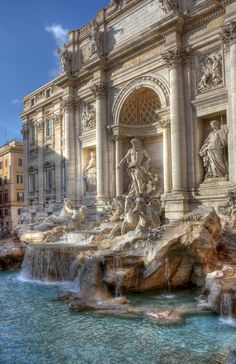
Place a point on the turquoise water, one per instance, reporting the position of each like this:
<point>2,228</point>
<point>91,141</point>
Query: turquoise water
<point>37,329</point>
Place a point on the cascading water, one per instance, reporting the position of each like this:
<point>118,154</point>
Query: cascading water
<point>119,276</point>
<point>167,280</point>
<point>50,262</point>
<point>226,309</point>
<point>81,238</point>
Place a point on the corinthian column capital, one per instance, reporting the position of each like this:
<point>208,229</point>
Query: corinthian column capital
<point>175,56</point>
<point>99,89</point>
<point>228,34</point>
<point>69,103</point>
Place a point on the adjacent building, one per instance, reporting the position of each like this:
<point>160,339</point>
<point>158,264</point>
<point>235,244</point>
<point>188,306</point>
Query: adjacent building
<point>158,70</point>
<point>11,184</point>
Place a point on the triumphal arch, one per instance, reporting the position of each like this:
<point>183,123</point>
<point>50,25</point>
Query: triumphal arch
<point>146,101</point>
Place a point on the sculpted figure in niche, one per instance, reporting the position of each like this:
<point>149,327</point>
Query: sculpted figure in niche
<point>138,163</point>
<point>66,60</point>
<point>213,151</point>
<point>90,174</point>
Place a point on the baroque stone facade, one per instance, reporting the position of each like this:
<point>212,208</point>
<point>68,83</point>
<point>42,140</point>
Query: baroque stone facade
<point>161,73</point>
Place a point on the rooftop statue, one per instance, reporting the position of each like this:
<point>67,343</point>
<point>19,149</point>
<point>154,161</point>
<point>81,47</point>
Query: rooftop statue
<point>168,5</point>
<point>95,44</point>
<point>66,60</point>
<point>213,151</point>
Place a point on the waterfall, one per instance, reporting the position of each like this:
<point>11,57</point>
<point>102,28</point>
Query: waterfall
<point>81,238</point>
<point>50,262</point>
<point>119,275</point>
<point>167,280</point>
<point>226,308</point>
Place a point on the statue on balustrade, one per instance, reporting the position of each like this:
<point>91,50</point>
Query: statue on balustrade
<point>95,40</point>
<point>214,151</point>
<point>90,174</point>
<point>138,168</point>
<point>168,5</point>
<point>66,60</point>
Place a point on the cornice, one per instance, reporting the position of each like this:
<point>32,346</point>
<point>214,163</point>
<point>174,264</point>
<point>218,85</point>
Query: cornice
<point>201,19</point>
<point>41,105</point>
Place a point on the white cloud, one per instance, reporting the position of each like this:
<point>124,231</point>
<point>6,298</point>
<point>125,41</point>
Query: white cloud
<point>15,101</point>
<point>59,33</point>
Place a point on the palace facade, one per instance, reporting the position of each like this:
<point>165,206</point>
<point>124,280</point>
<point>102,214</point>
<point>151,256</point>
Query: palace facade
<point>11,184</point>
<point>163,72</point>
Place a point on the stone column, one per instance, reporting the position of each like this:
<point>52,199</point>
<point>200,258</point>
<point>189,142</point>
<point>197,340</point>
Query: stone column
<point>78,157</point>
<point>58,178</point>
<point>228,36</point>
<point>40,145</point>
<point>173,58</point>
<point>119,171</point>
<point>99,90</point>
<point>25,134</point>
<point>166,156</point>
<point>68,105</point>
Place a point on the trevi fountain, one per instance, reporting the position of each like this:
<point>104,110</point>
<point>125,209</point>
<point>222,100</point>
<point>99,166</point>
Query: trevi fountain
<point>133,260</point>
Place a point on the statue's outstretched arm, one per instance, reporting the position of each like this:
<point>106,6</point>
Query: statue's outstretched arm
<point>124,159</point>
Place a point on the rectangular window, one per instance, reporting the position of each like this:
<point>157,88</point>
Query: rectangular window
<point>5,180</point>
<point>19,179</point>
<point>20,196</point>
<point>32,182</point>
<point>19,212</point>
<point>0,181</point>
<point>6,212</point>
<point>49,127</point>
<point>1,200</point>
<point>5,197</point>
<point>49,180</point>
<point>6,162</point>
<point>20,162</point>
<point>48,93</point>
<point>0,164</point>
<point>32,134</point>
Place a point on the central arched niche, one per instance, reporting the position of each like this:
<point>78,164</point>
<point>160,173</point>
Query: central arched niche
<point>140,108</point>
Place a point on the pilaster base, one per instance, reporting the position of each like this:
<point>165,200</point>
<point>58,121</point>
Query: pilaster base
<point>176,205</point>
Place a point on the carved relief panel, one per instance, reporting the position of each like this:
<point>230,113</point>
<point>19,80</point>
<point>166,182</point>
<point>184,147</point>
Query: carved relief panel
<point>209,71</point>
<point>88,116</point>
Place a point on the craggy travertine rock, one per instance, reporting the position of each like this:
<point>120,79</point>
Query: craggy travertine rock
<point>90,274</point>
<point>11,254</point>
<point>121,307</point>
<point>182,254</point>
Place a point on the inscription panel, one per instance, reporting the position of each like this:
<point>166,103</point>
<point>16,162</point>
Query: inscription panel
<point>137,21</point>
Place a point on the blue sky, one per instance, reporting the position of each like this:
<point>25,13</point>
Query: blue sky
<point>30,32</point>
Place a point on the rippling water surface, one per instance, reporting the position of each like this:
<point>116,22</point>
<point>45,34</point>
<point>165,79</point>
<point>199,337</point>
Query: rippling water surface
<point>37,329</point>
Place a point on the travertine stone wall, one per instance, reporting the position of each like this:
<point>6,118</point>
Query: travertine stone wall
<point>184,52</point>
